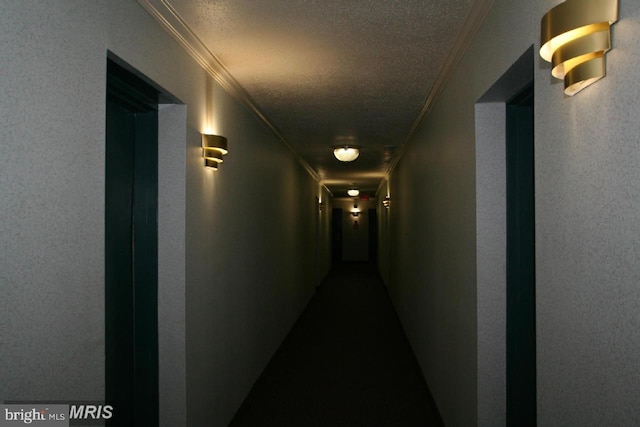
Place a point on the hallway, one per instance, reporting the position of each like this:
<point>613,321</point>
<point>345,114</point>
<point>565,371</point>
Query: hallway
<point>346,362</point>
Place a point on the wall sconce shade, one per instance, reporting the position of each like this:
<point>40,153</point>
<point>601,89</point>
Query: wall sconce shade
<point>214,147</point>
<point>386,202</point>
<point>574,37</point>
<point>211,163</point>
<point>346,153</point>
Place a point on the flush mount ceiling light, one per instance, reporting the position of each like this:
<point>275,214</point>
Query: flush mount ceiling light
<point>353,192</point>
<point>346,153</point>
<point>575,35</point>
<point>214,148</point>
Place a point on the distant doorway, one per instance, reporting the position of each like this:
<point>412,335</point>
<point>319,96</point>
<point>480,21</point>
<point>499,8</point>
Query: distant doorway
<point>373,236</point>
<point>521,309</point>
<point>336,235</point>
<point>131,242</point>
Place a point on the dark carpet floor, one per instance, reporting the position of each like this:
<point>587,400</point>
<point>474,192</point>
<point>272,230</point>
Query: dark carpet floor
<point>346,362</point>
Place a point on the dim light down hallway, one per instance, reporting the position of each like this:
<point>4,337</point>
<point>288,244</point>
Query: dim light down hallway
<point>346,362</point>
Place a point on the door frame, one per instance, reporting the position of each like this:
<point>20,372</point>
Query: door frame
<point>491,238</point>
<point>131,296</point>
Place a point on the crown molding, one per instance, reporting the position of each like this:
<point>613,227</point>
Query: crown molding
<point>169,19</point>
<point>474,20</point>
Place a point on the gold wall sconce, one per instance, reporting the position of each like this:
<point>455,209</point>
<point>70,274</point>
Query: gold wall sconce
<point>214,147</point>
<point>574,37</point>
<point>386,202</point>
<point>355,212</point>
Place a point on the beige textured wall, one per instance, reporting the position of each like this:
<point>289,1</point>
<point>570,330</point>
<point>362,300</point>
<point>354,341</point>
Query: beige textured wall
<point>52,119</point>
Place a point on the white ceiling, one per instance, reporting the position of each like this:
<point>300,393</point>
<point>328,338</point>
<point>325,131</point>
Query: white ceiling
<point>325,71</point>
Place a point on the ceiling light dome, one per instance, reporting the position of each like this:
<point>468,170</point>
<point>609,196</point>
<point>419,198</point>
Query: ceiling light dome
<point>346,153</point>
<point>353,192</point>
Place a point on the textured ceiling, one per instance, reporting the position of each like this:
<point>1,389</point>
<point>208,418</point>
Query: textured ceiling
<point>327,71</point>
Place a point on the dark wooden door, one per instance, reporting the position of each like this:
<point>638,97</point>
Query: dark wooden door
<point>131,265</point>
<point>521,320</point>
<point>336,235</point>
<point>373,236</point>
